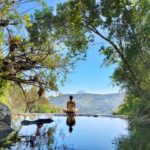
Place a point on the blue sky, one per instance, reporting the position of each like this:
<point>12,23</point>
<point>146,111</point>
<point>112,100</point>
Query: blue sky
<point>88,75</point>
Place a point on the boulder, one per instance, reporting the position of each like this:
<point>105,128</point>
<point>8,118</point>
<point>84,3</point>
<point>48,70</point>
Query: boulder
<point>5,114</point>
<point>5,134</point>
<point>5,121</point>
<point>5,129</point>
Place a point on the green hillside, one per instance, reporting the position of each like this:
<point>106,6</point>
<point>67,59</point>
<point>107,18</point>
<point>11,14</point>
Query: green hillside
<point>92,103</point>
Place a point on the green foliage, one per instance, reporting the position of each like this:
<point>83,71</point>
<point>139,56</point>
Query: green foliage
<point>138,138</point>
<point>45,108</point>
<point>15,99</point>
<point>126,27</point>
<point>131,107</point>
<point>7,141</point>
<point>4,88</point>
<point>31,51</point>
<point>53,44</point>
<point>4,100</point>
<point>34,104</point>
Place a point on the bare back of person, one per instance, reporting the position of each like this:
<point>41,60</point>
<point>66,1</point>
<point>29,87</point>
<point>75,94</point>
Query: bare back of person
<point>71,105</point>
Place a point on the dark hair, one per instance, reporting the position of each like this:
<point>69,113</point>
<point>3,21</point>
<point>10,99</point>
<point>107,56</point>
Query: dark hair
<point>71,97</point>
<point>70,129</point>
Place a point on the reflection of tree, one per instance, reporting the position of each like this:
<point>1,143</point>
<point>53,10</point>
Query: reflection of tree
<point>139,138</point>
<point>16,119</point>
<point>43,138</point>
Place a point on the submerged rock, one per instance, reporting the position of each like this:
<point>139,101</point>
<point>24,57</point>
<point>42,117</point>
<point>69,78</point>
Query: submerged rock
<point>5,114</point>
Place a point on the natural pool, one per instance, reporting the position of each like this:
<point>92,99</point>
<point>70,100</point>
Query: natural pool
<point>74,133</point>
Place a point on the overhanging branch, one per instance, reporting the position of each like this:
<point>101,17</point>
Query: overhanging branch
<point>134,79</point>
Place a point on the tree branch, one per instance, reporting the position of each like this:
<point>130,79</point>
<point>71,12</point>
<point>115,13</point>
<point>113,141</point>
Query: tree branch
<point>94,30</point>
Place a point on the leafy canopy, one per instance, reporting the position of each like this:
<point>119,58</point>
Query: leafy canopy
<point>124,25</point>
<point>30,51</point>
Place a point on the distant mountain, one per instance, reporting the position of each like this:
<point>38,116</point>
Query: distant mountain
<point>81,92</point>
<point>91,103</point>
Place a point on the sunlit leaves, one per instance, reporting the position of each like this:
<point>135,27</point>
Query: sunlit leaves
<point>31,56</point>
<point>126,30</point>
<point>2,37</point>
<point>27,20</point>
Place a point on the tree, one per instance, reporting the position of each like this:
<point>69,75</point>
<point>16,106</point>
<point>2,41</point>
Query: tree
<point>35,60</point>
<point>28,48</point>
<point>35,104</point>
<point>124,25</point>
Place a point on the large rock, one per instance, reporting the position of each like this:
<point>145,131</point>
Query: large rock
<point>5,133</point>
<point>5,121</point>
<point>5,129</point>
<point>5,114</point>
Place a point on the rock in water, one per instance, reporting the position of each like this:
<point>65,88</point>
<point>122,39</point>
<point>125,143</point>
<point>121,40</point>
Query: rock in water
<point>5,114</point>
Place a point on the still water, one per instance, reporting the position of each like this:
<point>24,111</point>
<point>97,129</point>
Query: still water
<point>70,133</point>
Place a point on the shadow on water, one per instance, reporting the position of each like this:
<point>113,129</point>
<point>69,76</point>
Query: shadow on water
<point>138,139</point>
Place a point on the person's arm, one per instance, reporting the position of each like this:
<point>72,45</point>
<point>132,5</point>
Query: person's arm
<point>74,105</point>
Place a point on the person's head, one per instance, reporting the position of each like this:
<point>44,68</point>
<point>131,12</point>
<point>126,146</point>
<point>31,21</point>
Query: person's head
<point>71,97</point>
<point>70,129</point>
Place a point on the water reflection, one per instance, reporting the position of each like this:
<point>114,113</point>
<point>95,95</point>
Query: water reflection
<point>139,138</point>
<point>70,122</point>
<point>32,136</point>
<point>42,139</point>
<point>87,133</point>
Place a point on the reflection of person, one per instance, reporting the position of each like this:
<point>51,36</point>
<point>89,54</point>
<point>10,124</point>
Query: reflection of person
<point>71,104</point>
<point>70,122</point>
